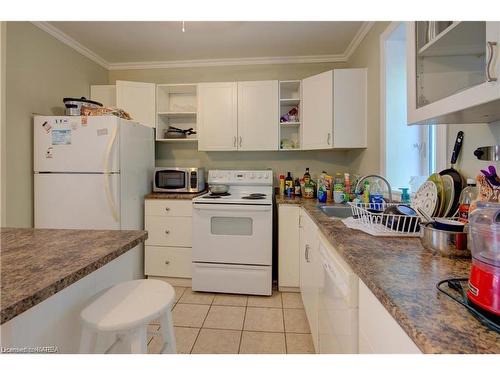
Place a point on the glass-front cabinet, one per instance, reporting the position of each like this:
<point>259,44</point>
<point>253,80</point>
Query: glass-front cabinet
<point>453,70</point>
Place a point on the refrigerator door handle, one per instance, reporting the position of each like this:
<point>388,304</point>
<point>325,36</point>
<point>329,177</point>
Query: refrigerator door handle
<point>107,187</point>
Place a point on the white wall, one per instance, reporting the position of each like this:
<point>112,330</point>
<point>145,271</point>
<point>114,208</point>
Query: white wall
<point>475,135</point>
<point>40,72</point>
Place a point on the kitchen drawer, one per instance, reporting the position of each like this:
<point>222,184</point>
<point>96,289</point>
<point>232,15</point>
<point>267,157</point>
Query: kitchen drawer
<point>168,207</point>
<point>168,231</point>
<point>167,261</point>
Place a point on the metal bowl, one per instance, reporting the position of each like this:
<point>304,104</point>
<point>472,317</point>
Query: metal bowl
<point>445,243</point>
<point>218,189</point>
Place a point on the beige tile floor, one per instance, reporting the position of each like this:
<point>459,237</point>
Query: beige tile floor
<point>222,323</point>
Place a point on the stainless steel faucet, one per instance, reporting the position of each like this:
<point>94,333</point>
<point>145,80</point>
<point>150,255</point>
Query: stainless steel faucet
<point>376,176</point>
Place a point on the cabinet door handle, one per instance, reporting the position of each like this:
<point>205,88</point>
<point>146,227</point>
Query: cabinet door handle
<point>234,142</point>
<point>167,231</point>
<point>306,254</point>
<point>491,56</point>
<point>328,139</point>
<point>241,139</point>
<point>167,209</point>
<point>167,262</point>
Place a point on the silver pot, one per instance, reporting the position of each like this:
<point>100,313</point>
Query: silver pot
<point>74,105</point>
<point>218,189</point>
<point>445,243</point>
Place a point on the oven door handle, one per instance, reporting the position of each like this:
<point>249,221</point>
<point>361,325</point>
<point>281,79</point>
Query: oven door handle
<point>231,207</point>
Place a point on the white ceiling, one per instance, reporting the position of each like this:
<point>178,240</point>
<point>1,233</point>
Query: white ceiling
<point>142,42</point>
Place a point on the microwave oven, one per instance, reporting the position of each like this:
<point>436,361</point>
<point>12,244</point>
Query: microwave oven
<point>179,180</point>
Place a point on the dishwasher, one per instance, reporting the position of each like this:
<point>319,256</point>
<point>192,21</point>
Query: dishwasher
<point>338,305</point>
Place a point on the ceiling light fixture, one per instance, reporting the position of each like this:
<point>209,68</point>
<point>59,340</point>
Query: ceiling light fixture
<point>183,27</point>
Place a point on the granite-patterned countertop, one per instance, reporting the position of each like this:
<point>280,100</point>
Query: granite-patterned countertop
<point>174,195</point>
<point>37,263</point>
<point>403,276</point>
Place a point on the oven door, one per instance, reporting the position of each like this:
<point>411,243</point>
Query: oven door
<point>232,234</point>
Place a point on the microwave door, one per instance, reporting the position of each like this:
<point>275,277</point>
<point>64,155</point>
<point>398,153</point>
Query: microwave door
<point>171,180</point>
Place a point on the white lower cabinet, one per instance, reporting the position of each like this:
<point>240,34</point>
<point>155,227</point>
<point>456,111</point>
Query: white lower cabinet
<point>337,303</point>
<point>343,314</point>
<point>310,267</point>
<point>168,249</point>
<point>168,261</point>
<point>288,247</point>
<point>169,231</point>
<point>379,333</point>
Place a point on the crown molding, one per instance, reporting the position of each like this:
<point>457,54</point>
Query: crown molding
<point>338,58</point>
<point>228,62</point>
<point>358,38</point>
<point>70,42</point>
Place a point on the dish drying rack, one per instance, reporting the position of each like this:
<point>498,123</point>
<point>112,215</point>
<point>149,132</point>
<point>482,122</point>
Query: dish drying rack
<point>382,224</point>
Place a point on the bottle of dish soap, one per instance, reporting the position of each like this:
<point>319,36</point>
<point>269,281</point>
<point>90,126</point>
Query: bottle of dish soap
<point>376,196</point>
<point>405,196</point>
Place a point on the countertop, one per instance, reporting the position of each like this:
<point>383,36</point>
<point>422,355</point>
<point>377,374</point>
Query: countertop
<point>174,195</point>
<point>37,263</point>
<point>403,276</point>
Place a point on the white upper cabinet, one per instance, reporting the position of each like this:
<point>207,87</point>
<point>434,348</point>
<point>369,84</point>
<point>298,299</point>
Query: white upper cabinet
<point>104,94</point>
<point>258,114</point>
<point>453,72</point>
<point>136,98</point>
<point>139,100</point>
<point>238,116</point>
<point>218,116</point>
<point>317,111</point>
<point>334,110</point>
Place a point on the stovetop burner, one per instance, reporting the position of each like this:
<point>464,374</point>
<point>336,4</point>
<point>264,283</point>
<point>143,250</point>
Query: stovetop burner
<point>255,196</point>
<point>459,286</point>
<point>215,196</point>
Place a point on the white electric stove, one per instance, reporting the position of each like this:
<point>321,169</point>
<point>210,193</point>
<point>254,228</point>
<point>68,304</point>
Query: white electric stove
<point>232,234</point>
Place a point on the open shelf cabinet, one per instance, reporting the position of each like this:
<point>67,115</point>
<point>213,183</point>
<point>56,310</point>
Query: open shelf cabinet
<point>459,38</point>
<point>177,107</point>
<point>290,130</point>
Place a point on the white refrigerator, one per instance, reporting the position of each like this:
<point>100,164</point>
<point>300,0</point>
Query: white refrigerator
<point>91,172</point>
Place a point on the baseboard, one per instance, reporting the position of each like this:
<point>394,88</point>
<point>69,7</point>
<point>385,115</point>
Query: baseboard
<point>292,289</point>
<point>174,281</point>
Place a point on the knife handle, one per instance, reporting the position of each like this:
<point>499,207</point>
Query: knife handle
<point>457,147</point>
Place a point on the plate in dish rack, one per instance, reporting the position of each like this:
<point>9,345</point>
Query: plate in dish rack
<point>426,198</point>
<point>449,194</point>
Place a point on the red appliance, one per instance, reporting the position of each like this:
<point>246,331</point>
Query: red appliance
<point>484,281</point>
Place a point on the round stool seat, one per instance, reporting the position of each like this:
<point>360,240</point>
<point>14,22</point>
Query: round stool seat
<point>129,304</point>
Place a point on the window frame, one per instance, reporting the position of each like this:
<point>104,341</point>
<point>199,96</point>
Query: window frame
<point>440,140</point>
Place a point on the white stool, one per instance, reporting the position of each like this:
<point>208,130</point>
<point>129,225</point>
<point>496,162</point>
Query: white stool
<point>125,310</point>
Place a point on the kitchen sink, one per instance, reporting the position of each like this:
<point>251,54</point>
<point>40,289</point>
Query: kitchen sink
<point>336,211</point>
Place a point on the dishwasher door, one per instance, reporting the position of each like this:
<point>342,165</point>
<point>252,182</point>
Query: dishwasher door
<point>338,307</point>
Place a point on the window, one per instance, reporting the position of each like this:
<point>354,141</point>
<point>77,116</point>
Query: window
<point>408,152</point>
